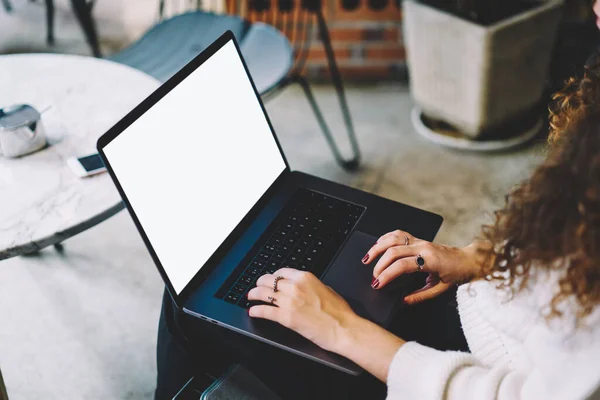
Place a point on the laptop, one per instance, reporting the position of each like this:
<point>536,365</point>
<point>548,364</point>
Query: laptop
<point>203,175</point>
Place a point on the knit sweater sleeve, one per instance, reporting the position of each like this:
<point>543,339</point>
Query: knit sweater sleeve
<point>419,372</point>
<point>539,362</point>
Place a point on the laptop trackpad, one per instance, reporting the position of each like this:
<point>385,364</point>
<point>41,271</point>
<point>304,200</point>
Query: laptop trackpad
<point>349,277</point>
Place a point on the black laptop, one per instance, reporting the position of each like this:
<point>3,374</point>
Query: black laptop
<point>204,178</point>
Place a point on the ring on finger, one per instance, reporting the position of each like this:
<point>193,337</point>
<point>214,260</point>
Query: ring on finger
<point>271,300</point>
<point>406,240</point>
<point>275,282</point>
<point>420,261</point>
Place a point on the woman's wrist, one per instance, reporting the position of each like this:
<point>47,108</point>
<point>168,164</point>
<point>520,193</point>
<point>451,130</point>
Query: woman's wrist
<point>368,345</point>
<point>346,334</point>
<point>475,257</point>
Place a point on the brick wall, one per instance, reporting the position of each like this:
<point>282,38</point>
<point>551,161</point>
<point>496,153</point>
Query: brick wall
<point>366,36</point>
<point>367,42</point>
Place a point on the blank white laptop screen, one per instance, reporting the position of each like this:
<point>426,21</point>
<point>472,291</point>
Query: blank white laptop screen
<point>195,163</point>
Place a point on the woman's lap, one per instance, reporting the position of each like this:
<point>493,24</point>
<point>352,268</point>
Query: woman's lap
<point>188,346</point>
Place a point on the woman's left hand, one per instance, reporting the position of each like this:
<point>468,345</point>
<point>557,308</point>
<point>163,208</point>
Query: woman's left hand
<point>304,304</point>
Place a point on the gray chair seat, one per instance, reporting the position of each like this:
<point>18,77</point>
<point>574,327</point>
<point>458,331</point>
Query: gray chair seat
<point>267,51</point>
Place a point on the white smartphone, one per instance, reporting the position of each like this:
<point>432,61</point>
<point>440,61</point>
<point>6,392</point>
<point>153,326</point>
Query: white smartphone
<point>86,166</point>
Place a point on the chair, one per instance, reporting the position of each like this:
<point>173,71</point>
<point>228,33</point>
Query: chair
<point>83,12</point>
<point>7,6</point>
<point>264,29</point>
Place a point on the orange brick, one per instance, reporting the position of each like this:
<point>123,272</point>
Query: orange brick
<point>363,34</point>
<point>317,53</point>
<point>385,53</point>
<point>346,35</point>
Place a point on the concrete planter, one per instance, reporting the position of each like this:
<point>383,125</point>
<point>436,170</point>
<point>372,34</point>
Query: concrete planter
<point>474,77</point>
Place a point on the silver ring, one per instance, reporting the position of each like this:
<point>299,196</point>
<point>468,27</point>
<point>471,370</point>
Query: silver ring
<point>420,261</point>
<point>406,240</point>
<point>275,282</point>
<point>271,300</point>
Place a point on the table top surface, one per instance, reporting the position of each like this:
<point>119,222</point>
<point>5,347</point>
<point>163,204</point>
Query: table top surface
<point>41,201</point>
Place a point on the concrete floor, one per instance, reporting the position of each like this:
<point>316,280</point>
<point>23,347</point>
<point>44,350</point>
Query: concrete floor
<point>81,324</point>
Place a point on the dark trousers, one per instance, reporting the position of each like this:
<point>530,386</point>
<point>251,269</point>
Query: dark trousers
<point>188,346</point>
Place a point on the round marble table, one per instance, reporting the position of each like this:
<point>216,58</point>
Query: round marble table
<point>41,201</point>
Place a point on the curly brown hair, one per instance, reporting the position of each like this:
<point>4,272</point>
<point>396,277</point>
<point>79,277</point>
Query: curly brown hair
<point>552,220</point>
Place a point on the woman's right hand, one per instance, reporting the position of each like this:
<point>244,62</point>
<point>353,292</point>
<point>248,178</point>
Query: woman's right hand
<point>446,265</point>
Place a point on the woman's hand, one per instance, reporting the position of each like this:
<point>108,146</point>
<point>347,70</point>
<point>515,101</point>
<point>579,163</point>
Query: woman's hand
<point>446,265</point>
<point>304,304</point>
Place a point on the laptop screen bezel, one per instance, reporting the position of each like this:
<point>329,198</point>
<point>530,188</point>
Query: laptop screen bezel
<point>145,105</point>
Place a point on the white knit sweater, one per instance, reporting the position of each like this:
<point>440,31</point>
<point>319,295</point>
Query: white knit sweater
<point>515,353</point>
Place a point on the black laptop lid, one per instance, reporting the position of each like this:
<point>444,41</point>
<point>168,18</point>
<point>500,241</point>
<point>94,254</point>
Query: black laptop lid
<point>193,161</point>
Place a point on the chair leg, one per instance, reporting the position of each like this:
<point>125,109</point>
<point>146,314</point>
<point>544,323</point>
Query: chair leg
<point>161,9</point>
<point>351,164</point>
<point>83,11</point>
<point>336,77</point>
<point>50,22</point>
<point>7,5</point>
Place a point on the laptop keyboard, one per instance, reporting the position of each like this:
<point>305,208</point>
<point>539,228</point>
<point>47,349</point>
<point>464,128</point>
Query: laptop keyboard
<point>306,235</point>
